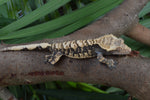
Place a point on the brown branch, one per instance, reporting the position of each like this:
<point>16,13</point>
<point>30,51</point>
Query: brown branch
<point>131,74</point>
<point>140,33</point>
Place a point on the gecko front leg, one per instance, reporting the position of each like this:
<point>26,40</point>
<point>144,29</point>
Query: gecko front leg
<point>109,62</point>
<point>53,58</point>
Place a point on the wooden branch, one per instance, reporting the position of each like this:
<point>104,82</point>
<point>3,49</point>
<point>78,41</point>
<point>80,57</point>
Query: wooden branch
<point>131,74</point>
<point>140,33</point>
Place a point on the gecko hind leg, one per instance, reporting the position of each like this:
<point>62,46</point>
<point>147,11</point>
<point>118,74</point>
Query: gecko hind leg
<point>53,58</point>
<point>109,62</point>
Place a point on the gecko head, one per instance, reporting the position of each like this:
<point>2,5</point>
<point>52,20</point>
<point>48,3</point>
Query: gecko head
<point>114,45</point>
<point>120,48</point>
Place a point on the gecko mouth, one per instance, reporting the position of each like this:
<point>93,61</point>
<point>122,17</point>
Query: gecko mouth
<point>121,53</point>
<point>122,50</point>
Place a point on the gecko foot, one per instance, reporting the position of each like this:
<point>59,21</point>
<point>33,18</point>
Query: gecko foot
<point>110,63</point>
<point>53,58</point>
<point>49,59</point>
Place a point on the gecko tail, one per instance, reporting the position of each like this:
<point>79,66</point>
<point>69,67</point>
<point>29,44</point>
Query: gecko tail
<point>39,46</point>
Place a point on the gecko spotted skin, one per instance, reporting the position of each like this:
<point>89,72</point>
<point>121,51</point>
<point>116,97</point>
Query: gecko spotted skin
<point>79,49</point>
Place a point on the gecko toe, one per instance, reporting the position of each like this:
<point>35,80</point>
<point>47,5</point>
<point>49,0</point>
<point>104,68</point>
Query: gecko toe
<point>111,64</point>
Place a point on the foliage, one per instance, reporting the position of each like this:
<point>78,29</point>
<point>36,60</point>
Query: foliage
<point>24,21</point>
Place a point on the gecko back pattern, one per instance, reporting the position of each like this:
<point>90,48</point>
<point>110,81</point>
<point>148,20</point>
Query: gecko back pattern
<point>79,49</point>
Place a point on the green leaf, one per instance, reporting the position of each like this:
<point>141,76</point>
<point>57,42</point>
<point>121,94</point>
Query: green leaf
<point>85,85</point>
<point>145,10</point>
<point>146,23</point>
<point>113,90</point>
<point>80,95</point>
<point>3,1</point>
<point>50,85</point>
<point>5,21</point>
<point>82,22</point>
<point>70,18</point>
<point>15,90</point>
<point>72,84</point>
<point>33,16</point>
<point>54,24</point>
<point>3,11</point>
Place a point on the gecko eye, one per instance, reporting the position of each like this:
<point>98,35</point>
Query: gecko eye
<point>119,48</point>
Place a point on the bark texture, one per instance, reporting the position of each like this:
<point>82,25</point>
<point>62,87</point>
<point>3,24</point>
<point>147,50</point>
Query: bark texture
<point>132,72</point>
<point>140,33</point>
